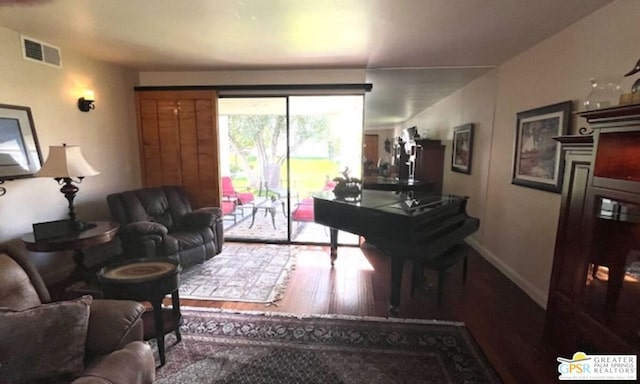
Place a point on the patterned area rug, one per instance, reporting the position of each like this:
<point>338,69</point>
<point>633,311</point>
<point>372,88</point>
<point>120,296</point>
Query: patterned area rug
<point>225,347</point>
<point>255,273</point>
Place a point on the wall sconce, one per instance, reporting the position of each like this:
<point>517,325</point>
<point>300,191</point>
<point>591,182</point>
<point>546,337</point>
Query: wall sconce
<point>85,103</point>
<point>67,166</point>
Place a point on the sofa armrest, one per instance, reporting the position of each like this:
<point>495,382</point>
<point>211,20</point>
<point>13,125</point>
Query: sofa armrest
<point>134,364</point>
<point>142,228</point>
<point>112,325</point>
<point>143,239</point>
<point>215,210</point>
<point>198,219</point>
<point>217,226</point>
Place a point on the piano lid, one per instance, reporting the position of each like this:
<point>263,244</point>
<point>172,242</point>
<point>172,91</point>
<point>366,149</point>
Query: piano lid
<point>408,204</point>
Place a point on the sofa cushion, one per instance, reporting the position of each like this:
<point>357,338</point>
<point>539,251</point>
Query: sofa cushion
<point>16,290</point>
<point>187,240</point>
<point>43,342</point>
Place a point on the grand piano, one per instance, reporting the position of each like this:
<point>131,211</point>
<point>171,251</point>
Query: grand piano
<point>404,226</point>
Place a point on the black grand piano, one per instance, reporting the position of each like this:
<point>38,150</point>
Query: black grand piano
<point>403,226</point>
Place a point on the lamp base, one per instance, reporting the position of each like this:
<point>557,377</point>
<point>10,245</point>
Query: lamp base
<point>80,226</point>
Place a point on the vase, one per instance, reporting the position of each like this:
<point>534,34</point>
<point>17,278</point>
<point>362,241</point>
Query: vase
<point>605,92</point>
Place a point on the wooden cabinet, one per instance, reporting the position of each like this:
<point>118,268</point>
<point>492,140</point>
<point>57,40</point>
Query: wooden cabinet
<point>595,282</point>
<point>430,163</point>
<point>577,152</point>
<point>178,136</point>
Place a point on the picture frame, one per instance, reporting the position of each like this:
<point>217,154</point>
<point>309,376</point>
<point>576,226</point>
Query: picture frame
<point>52,229</point>
<point>462,148</point>
<point>20,154</point>
<point>537,160</point>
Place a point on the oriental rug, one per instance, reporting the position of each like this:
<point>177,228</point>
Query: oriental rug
<point>268,348</point>
<point>256,273</point>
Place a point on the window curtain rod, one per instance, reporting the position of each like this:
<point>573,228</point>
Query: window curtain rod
<point>270,89</point>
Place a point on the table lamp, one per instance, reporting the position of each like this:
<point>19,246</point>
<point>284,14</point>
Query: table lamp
<point>67,166</point>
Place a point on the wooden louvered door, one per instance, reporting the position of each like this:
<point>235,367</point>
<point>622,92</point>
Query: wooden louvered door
<point>178,138</point>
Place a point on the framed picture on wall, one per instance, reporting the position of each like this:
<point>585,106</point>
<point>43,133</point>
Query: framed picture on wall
<point>462,150</point>
<point>19,150</point>
<point>537,161</point>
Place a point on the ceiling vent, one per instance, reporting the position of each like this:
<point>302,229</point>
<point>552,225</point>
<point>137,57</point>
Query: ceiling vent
<point>43,53</point>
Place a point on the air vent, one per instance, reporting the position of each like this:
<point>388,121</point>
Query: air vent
<point>43,53</point>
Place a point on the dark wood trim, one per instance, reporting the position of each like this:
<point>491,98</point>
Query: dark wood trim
<point>576,140</point>
<point>366,87</point>
<point>612,115</point>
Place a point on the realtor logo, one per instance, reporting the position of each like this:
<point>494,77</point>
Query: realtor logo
<point>598,367</point>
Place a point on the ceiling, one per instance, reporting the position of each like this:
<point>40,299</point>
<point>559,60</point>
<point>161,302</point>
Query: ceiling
<point>415,51</point>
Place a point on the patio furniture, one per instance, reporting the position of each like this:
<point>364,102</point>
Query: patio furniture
<point>229,210</point>
<point>270,206</point>
<point>229,193</point>
<point>303,211</point>
<point>268,191</point>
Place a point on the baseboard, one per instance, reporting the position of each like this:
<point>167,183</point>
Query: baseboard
<point>534,293</point>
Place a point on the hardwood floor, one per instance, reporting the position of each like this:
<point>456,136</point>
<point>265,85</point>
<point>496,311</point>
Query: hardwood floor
<point>505,322</point>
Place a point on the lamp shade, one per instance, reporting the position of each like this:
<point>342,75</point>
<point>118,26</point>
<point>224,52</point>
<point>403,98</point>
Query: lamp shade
<point>66,161</point>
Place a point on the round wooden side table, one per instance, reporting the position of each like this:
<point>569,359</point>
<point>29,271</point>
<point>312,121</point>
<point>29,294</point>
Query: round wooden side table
<point>102,232</point>
<point>149,279</point>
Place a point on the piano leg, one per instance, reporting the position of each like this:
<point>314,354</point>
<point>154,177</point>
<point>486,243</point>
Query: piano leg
<point>397,265</point>
<point>333,235</point>
<point>417,276</point>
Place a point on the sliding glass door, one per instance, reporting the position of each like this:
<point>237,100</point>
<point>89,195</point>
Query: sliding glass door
<point>253,157</point>
<point>325,140</point>
<point>275,153</point>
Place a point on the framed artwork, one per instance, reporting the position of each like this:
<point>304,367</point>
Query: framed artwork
<point>462,150</point>
<point>537,161</point>
<point>20,154</point>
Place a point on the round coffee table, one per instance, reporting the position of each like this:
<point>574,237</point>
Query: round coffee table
<point>149,280</point>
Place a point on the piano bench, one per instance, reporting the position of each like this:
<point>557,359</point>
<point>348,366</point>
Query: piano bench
<point>441,264</point>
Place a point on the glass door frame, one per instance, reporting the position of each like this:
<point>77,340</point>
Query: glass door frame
<point>289,200</point>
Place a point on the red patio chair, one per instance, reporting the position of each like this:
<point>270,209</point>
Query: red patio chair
<point>303,210</point>
<point>229,193</point>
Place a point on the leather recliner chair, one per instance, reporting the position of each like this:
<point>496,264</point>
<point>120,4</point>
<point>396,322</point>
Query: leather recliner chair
<point>113,348</point>
<point>159,222</point>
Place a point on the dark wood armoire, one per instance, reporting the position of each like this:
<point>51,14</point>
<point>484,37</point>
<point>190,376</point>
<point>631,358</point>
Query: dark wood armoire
<point>430,163</point>
<point>594,292</point>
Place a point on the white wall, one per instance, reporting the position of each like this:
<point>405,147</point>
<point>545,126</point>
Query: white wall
<point>518,224</point>
<point>107,135</point>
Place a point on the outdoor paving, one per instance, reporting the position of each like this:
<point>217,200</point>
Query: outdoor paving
<point>262,229</point>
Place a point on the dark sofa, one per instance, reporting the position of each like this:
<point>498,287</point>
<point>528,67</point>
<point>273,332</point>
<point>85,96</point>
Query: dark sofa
<point>159,222</point>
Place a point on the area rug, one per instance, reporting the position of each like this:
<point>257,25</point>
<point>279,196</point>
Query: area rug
<point>243,347</point>
<point>256,273</point>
